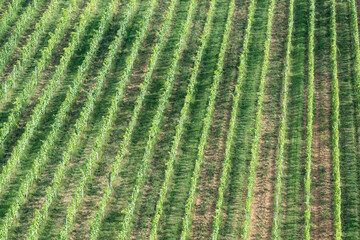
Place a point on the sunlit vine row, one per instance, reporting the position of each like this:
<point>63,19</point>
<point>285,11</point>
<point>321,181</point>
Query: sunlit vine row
<point>309,124</point>
<point>46,96</point>
<point>48,144</point>
<point>207,123</point>
<point>276,232</point>
<point>155,128</point>
<point>27,52</point>
<point>217,222</point>
<point>257,133</point>
<point>335,123</point>
<point>169,83</point>
<point>100,213</point>
<point>40,66</point>
<point>40,216</point>
<point>355,34</point>
<point>11,13</point>
<point>107,123</point>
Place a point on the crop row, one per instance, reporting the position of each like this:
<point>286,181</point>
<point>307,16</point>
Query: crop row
<point>158,118</point>
<point>283,126</point>
<point>27,51</point>
<point>194,72</point>
<point>41,64</point>
<point>226,168</point>
<point>335,123</point>
<point>10,14</point>
<point>126,228</point>
<point>309,125</point>
<point>10,46</point>
<point>107,122</point>
<point>99,215</point>
<point>256,140</point>
<point>2,4</point>
<point>348,116</point>
<point>207,122</point>
<point>355,34</point>
<point>153,135</point>
<point>349,157</point>
<point>47,95</point>
<point>48,144</point>
<point>189,96</point>
<point>155,129</point>
<point>40,216</point>
<point>169,84</point>
<point>72,93</point>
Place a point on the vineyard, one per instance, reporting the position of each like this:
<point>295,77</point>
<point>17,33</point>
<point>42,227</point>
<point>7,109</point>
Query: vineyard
<point>179,119</point>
